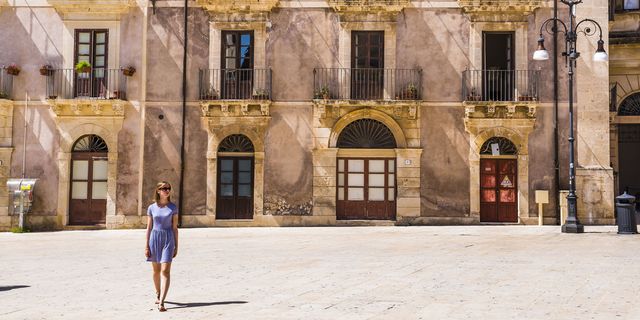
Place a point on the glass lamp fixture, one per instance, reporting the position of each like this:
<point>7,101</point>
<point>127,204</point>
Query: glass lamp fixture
<point>541,53</point>
<point>600,54</point>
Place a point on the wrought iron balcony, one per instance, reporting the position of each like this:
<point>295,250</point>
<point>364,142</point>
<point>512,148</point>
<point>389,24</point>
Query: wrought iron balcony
<point>6,85</point>
<point>230,6</point>
<point>367,84</point>
<point>500,85</point>
<point>235,84</point>
<point>99,83</point>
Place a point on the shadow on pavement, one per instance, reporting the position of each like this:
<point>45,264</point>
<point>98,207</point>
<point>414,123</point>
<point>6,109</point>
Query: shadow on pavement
<point>7,288</point>
<point>181,305</point>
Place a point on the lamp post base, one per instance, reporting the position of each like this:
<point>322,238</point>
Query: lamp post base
<point>572,228</point>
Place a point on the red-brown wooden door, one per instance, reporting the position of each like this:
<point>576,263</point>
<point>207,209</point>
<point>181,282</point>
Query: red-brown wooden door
<point>498,190</point>
<point>235,188</point>
<point>366,189</point>
<point>88,196</point>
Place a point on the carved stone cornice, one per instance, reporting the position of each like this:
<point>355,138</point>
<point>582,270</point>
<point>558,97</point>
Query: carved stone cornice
<point>369,6</point>
<point>92,6</point>
<point>235,108</point>
<point>499,10</point>
<point>237,6</point>
<point>333,109</point>
<point>493,110</point>
<point>87,108</point>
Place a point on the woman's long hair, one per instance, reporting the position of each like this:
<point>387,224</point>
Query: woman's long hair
<point>156,195</point>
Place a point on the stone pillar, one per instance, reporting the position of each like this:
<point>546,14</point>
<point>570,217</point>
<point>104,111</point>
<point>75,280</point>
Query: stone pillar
<point>258,188</point>
<point>212,176</point>
<point>324,182</point>
<point>408,183</point>
<point>594,175</point>
<point>6,149</point>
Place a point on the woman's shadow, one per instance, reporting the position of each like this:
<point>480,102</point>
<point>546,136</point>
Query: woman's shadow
<point>181,305</point>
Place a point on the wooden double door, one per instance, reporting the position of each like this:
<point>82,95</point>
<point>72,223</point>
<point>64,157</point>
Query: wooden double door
<point>235,188</point>
<point>498,190</point>
<point>88,196</point>
<point>366,189</point>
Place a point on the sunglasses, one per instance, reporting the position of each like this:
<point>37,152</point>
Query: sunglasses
<point>165,189</point>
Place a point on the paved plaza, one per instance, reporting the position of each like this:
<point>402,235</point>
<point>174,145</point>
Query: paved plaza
<point>460,272</point>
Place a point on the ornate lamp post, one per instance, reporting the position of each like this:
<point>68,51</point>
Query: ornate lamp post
<point>571,31</point>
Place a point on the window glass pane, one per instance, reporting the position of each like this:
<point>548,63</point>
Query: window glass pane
<point>488,196</point>
<point>356,165</point>
<point>101,37</point>
<point>80,170</point>
<point>488,181</point>
<point>376,180</point>
<point>392,180</point>
<point>100,49</point>
<point>244,190</point>
<point>508,195</point>
<point>631,4</point>
<point>226,165</point>
<point>340,193</point>
<point>79,190</point>
<point>244,177</point>
<point>100,169</point>
<point>83,49</point>
<point>355,194</point>
<point>391,194</point>
<point>374,63</point>
<point>244,165</point>
<point>376,194</point>
<point>84,37</point>
<point>99,190</point>
<point>230,39</point>
<point>340,179</point>
<point>226,177</point>
<point>230,64</point>
<point>376,166</point>
<point>231,52</point>
<point>356,179</point>
<point>83,58</point>
<point>245,39</point>
<point>226,190</point>
<point>340,165</point>
<point>392,166</point>
<point>99,62</point>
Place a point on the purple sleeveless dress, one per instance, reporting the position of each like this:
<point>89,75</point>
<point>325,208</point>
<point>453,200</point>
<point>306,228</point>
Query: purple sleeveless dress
<point>162,242</point>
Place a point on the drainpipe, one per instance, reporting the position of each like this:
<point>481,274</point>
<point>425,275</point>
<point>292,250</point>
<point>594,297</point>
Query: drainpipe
<point>556,146</point>
<point>184,109</point>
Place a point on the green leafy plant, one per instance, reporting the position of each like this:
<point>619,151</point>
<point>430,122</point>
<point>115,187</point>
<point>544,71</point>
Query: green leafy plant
<point>19,230</point>
<point>3,95</point>
<point>210,94</point>
<point>323,92</point>
<point>83,66</point>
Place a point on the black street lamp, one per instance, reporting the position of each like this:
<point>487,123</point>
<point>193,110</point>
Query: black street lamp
<point>571,31</point>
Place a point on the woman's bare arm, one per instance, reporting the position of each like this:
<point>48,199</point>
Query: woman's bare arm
<point>175,233</point>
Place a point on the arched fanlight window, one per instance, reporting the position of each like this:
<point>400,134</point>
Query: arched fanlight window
<point>630,106</point>
<point>90,143</point>
<point>236,143</point>
<point>501,146</point>
<point>366,133</point>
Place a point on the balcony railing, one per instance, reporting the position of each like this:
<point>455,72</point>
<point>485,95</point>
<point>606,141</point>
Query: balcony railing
<point>99,83</point>
<point>500,85</point>
<point>367,84</point>
<point>235,84</point>
<point>6,84</point>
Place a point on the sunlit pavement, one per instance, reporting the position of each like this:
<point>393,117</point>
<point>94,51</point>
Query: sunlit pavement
<point>478,272</point>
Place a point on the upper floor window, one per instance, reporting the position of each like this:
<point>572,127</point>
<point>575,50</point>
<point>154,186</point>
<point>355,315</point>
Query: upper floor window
<point>237,49</point>
<point>91,46</point>
<point>367,49</point>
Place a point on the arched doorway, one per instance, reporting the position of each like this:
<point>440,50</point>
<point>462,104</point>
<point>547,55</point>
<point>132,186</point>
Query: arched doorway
<point>366,181</point>
<point>89,172</point>
<point>629,145</point>
<point>235,178</point>
<point>498,181</point>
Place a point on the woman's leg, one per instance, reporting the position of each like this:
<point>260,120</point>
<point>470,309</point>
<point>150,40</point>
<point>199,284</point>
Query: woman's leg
<point>166,280</point>
<point>156,279</point>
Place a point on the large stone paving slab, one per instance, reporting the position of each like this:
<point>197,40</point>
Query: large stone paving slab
<point>479,272</point>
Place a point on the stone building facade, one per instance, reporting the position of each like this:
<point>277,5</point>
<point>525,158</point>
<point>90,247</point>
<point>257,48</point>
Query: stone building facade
<point>302,113</point>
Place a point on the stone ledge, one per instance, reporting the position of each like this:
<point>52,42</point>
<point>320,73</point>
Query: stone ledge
<point>87,107</point>
<point>237,6</point>
<point>235,108</point>
<point>92,6</point>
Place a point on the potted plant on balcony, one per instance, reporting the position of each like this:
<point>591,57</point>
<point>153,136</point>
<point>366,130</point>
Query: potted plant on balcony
<point>260,94</point>
<point>410,92</point>
<point>323,93</point>
<point>45,70</point>
<point>525,97</point>
<point>128,71</point>
<point>13,69</point>
<point>83,66</point>
<point>473,95</point>
<point>4,95</point>
<point>210,94</point>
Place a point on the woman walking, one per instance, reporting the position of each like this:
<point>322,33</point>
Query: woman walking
<point>162,239</point>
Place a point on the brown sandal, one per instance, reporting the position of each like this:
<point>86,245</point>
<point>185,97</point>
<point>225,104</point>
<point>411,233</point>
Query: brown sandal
<point>161,307</point>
